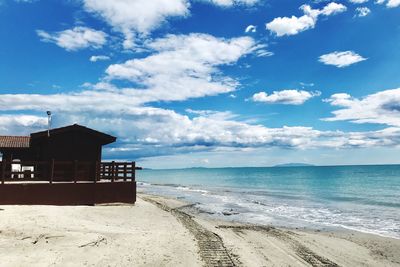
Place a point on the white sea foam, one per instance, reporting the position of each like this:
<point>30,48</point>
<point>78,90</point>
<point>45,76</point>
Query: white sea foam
<point>184,188</point>
<point>260,209</point>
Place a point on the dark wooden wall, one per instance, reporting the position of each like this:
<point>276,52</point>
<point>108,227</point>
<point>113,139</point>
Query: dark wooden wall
<point>23,154</point>
<point>69,146</point>
<point>67,193</point>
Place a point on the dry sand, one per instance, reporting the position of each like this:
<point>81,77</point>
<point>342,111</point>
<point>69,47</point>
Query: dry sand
<point>158,231</point>
<point>127,235</point>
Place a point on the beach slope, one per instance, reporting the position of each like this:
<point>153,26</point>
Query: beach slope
<point>159,231</point>
<point>122,235</point>
<point>256,245</point>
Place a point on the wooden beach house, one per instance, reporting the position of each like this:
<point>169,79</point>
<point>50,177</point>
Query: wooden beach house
<point>63,167</point>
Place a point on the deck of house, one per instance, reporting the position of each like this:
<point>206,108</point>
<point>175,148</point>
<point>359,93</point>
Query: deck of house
<point>67,182</point>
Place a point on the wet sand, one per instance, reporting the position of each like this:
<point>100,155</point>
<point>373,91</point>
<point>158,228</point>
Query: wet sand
<point>255,245</point>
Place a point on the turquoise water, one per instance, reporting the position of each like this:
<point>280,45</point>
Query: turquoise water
<point>363,198</point>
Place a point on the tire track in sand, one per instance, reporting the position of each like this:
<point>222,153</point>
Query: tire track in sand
<point>302,251</point>
<point>211,247</point>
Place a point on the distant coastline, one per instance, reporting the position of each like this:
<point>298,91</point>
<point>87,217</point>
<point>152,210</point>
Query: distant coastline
<point>273,166</point>
<point>294,165</point>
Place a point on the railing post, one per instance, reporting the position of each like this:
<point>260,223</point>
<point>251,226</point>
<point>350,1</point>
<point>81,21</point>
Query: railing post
<point>133,175</point>
<point>35,170</point>
<point>96,171</point>
<point>3,171</point>
<point>75,170</point>
<point>112,171</point>
<point>125,171</point>
<point>101,170</point>
<point>51,170</point>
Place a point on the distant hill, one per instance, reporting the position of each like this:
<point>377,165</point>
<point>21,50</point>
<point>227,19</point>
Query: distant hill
<point>294,165</point>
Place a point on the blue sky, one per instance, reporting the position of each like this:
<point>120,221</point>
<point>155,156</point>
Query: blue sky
<point>209,82</point>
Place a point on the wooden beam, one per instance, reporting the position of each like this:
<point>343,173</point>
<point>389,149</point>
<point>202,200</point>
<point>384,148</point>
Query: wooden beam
<point>133,175</point>
<point>3,171</point>
<point>96,171</point>
<point>125,171</point>
<point>75,170</point>
<point>112,171</point>
<point>51,170</point>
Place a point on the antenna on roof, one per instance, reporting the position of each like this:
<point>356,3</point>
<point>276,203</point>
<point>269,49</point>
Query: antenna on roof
<point>48,122</point>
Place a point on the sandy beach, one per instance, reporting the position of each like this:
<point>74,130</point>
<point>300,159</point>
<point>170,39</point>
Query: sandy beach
<point>157,231</point>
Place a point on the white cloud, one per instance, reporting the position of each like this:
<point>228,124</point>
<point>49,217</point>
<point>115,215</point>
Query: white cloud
<point>25,1</point>
<point>20,124</point>
<point>206,161</point>
<point>178,133</point>
<point>99,58</point>
<point>381,108</point>
<point>393,3</point>
<point>341,59</point>
<point>288,97</point>
<point>229,3</point>
<point>178,67</point>
<point>290,26</point>
<point>195,59</point>
<point>136,17</point>
<point>262,52</point>
<point>304,85</point>
<point>293,25</point>
<point>389,3</point>
<point>358,1</point>
<point>362,11</point>
<point>250,28</point>
<point>332,9</point>
<point>134,125</point>
<point>221,115</point>
<point>75,39</point>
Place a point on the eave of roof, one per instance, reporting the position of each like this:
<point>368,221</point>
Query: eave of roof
<point>10,142</point>
<point>105,138</point>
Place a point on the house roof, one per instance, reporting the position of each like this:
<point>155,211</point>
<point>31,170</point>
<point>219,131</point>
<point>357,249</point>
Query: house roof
<point>14,141</point>
<point>104,138</point>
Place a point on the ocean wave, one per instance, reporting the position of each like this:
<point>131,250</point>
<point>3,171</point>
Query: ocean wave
<point>184,188</point>
<point>143,184</point>
<point>266,207</point>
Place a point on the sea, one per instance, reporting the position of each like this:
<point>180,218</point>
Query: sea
<point>361,198</point>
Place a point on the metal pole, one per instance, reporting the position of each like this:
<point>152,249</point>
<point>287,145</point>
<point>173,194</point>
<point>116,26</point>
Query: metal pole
<point>48,123</point>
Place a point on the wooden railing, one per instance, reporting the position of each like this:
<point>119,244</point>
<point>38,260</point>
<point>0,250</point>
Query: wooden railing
<point>118,170</point>
<point>72,171</point>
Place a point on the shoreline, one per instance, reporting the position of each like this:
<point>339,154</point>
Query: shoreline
<point>260,245</point>
<point>235,214</point>
<point>160,231</point>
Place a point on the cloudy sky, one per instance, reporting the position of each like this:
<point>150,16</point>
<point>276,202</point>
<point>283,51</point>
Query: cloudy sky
<point>185,83</point>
